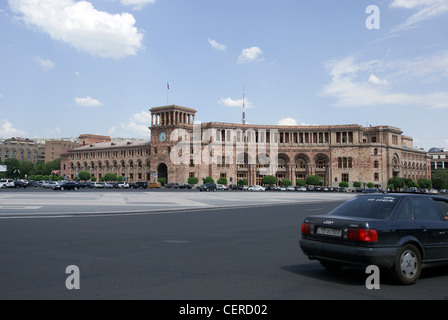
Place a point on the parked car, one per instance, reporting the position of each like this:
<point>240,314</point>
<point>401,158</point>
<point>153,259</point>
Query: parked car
<point>154,184</point>
<point>302,189</point>
<point>141,184</point>
<point>66,185</point>
<point>49,184</point>
<point>122,185</point>
<point>184,186</point>
<point>399,233</point>
<point>236,187</point>
<point>98,185</point>
<point>221,187</point>
<point>172,185</point>
<point>86,184</point>
<point>371,190</point>
<point>256,188</point>
<point>21,184</point>
<point>208,187</point>
<point>6,183</point>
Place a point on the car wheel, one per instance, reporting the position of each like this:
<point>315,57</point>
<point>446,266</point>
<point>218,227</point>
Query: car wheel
<point>408,265</point>
<point>75,188</point>
<point>62,188</point>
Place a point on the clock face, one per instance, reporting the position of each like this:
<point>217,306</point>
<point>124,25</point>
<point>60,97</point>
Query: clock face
<point>162,136</point>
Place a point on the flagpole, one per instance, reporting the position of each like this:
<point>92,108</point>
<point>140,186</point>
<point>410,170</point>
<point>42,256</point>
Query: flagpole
<point>167,91</point>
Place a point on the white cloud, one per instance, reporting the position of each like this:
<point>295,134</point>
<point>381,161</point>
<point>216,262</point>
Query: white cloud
<point>426,9</point>
<point>7,130</point>
<point>250,55</point>
<point>216,45</point>
<point>375,80</point>
<point>138,124</point>
<point>287,122</point>
<point>82,26</point>
<point>45,64</point>
<point>137,4</point>
<point>88,102</point>
<point>352,86</point>
<point>229,102</point>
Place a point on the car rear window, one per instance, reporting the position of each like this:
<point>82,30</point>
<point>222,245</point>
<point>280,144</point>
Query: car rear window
<point>367,206</point>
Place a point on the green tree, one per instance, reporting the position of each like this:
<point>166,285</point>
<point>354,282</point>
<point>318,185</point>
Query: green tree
<point>286,182</point>
<point>93,179</point>
<point>193,180</point>
<point>222,181</point>
<point>162,181</point>
<point>343,184</point>
<point>370,185</point>
<point>26,167</point>
<point>424,183</point>
<point>243,182</point>
<point>396,182</point>
<point>356,184</point>
<point>84,175</point>
<point>269,180</point>
<point>440,179</point>
<point>209,180</point>
<point>313,180</point>
<point>300,182</point>
<point>13,169</point>
<point>110,177</point>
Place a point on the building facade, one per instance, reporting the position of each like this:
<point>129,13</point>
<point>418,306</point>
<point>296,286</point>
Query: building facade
<point>438,158</point>
<point>22,149</point>
<point>179,148</point>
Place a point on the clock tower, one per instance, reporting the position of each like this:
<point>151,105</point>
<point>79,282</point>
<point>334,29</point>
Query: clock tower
<point>163,121</point>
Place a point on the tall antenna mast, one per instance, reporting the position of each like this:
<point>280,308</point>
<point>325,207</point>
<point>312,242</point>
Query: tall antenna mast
<point>244,105</point>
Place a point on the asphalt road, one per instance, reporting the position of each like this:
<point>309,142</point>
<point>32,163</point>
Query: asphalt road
<point>229,254</point>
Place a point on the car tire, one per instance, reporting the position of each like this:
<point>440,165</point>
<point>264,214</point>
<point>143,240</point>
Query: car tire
<point>75,188</point>
<point>408,265</point>
<point>62,188</point>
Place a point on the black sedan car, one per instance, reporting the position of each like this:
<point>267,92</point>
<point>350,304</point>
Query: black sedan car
<point>400,233</point>
<point>66,185</point>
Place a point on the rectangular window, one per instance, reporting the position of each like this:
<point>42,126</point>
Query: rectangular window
<point>345,177</point>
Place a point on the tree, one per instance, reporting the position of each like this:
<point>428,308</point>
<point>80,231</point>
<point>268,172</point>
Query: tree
<point>84,175</point>
<point>440,179</point>
<point>93,179</point>
<point>243,182</point>
<point>313,180</point>
<point>209,180</point>
<point>13,167</point>
<point>424,183</point>
<point>370,185</point>
<point>270,180</point>
<point>396,182</point>
<point>162,181</point>
<point>356,184</point>
<point>222,181</point>
<point>286,182</point>
<point>300,182</point>
<point>110,177</point>
<point>343,184</point>
<point>193,180</point>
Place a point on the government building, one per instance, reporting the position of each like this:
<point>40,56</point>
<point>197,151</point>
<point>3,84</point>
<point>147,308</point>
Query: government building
<point>180,148</point>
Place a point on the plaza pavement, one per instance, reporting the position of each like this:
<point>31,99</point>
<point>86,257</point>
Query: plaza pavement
<point>72,203</point>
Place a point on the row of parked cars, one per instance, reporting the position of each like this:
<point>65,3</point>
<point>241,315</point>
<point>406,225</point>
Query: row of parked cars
<point>68,185</point>
<point>214,187</point>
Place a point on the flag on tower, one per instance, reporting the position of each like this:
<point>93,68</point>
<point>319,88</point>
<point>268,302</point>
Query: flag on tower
<point>168,85</point>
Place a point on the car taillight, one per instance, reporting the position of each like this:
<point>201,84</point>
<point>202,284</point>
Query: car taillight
<point>306,228</point>
<point>365,235</point>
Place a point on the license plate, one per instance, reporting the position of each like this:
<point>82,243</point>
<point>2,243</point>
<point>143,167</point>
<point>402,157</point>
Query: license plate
<point>329,231</point>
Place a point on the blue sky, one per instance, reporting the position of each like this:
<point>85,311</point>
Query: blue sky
<point>72,67</point>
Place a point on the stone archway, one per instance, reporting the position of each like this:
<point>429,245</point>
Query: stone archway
<point>162,171</point>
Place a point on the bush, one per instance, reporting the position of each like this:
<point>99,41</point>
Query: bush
<point>343,184</point>
<point>222,181</point>
<point>162,181</point>
<point>209,180</point>
<point>300,182</point>
<point>313,180</point>
<point>84,175</point>
<point>286,182</point>
<point>243,182</point>
<point>270,180</point>
<point>193,180</point>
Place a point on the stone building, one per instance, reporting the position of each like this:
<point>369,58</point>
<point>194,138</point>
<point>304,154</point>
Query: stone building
<point>180,148</point>
<point>54,148</point>
<point>22,149</point>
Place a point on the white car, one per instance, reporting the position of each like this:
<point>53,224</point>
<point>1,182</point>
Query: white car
<point>256,188</point>
<point>123,185</point>
<point>6,183</point>
<point>220,187</point>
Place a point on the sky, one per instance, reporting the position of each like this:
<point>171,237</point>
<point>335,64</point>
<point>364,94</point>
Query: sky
<point>71,67</point>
